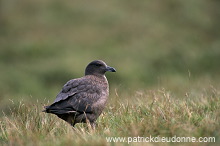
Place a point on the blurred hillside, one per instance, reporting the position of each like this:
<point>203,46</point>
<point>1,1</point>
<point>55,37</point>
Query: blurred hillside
<point>169,43</point>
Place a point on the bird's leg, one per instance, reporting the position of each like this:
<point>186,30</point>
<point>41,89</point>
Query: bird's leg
<point>93,124</point>
<point>73,124</point>
<point>90,125</point>
<point>71,121</point>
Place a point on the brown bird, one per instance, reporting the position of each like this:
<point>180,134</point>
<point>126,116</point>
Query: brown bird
<point>82,100</point>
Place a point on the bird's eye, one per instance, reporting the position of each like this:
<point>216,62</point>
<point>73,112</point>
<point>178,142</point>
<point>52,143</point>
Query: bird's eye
<point>98,65</point>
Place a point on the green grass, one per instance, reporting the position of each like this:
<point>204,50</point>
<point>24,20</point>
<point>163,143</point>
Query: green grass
<point>144,113</point>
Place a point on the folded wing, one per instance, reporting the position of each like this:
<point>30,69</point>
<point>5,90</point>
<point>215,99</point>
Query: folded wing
<point>77,96</point>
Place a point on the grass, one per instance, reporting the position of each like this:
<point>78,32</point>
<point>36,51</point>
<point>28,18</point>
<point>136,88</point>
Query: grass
<point>153,112</point>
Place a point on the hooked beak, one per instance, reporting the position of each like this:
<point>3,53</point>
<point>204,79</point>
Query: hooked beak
<point>111,69</point>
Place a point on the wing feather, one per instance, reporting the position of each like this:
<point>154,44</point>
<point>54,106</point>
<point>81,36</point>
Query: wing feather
<point>77,95</point>
<point>69,89</point>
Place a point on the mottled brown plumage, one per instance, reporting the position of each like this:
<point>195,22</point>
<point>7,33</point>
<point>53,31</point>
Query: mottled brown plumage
<point>83,99</point>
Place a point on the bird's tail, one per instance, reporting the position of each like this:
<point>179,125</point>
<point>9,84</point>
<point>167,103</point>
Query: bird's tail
<point>45,109</point>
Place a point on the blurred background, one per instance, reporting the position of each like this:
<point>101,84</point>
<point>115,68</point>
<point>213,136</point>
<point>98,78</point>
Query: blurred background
<point>170,44</point>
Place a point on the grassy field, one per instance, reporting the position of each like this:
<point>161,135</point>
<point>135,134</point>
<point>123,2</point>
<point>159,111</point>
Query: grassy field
<point>166,54</point>
<point>147,113</point>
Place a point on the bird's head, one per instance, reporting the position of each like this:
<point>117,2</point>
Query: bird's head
<point>98,67</point>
